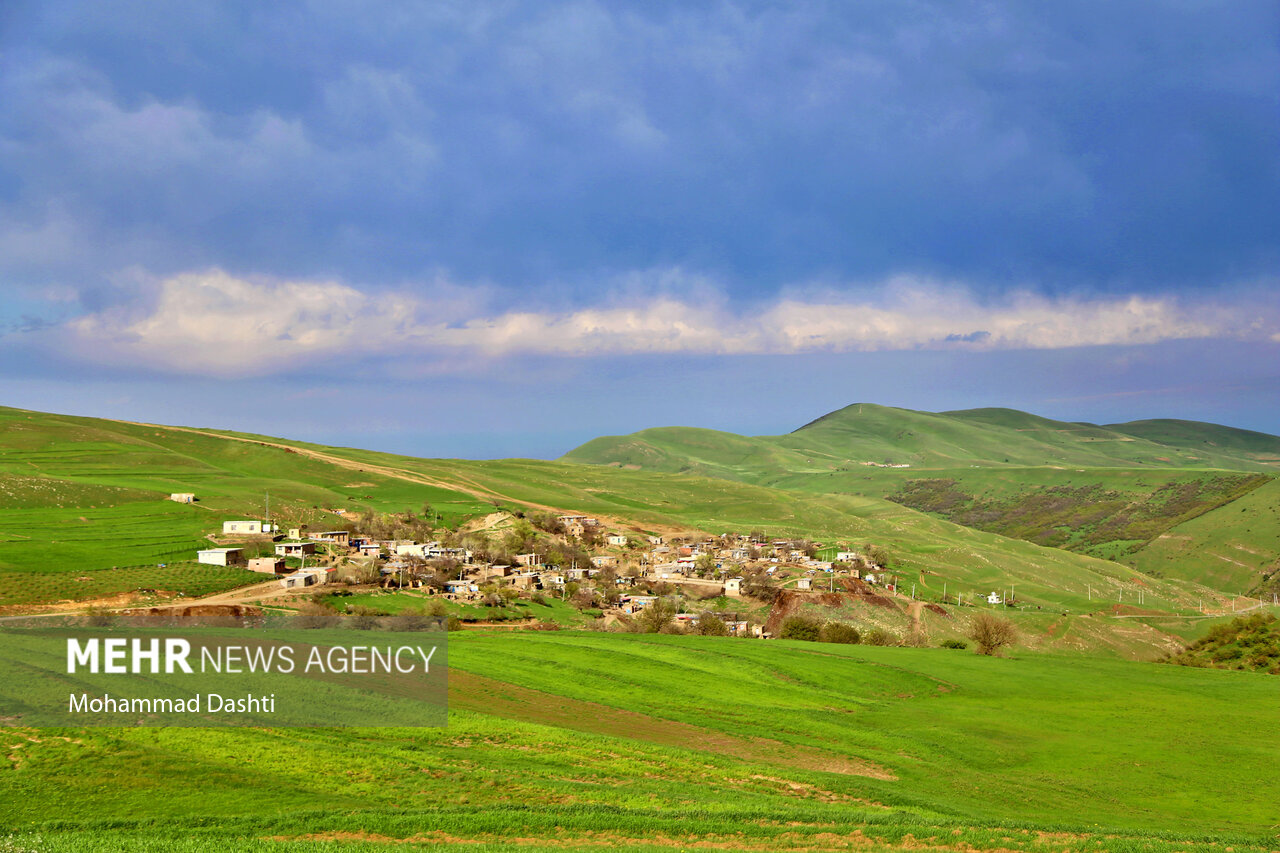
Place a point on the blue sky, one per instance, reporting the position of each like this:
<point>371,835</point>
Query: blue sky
<point>490,229</point>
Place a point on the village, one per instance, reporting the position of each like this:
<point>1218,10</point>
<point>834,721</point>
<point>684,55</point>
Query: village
<point>622,577</point>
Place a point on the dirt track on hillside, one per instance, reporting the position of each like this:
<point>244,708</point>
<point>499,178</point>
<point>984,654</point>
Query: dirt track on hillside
<point>462,484</point>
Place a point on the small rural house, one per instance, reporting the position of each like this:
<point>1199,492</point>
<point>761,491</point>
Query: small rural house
<point>220,556</point>
<point>616,539</point>
<point>337,537</point>
<point>183,497</point>
<point>846,556</point>
<point>994,598</point>
<point>251,527</point>
<point>733,586</point>
<point>306,577</point>
<point>295,549</point>
<point>267,565</point>
<point>636,603</point>
<point>804,583</point>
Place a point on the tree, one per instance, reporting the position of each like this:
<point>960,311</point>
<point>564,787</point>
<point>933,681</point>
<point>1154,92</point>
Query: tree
<point>312,615</point>
<point>657,616</point>
<point>800,628</point>
<point>411,619</point>
<point>712,626</point>
<point>705,564</point>
<point>991,633</point>
<point>99,617</point>
<point>362,618</point>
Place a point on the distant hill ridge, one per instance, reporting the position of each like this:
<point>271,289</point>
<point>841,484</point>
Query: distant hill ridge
<point>872,435</point>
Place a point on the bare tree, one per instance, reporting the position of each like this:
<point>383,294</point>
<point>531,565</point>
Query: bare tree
<point>312,615</point>
<point>991,633</point>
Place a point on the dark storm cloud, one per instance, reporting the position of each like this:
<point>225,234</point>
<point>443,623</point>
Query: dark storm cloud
<point>1083,146</point>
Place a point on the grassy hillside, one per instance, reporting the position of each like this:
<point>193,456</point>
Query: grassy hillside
<point>925,551</point>
<point>85,509</point>
<point>52,552</point>
<point>1214,438</point>
<point>1245,643</point>
<point>1129,492</point>
<point>614,741</point>
<point>1233,547</point>
<point>866,434</point>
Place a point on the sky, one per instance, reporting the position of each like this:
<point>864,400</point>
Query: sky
<point>488,229</point>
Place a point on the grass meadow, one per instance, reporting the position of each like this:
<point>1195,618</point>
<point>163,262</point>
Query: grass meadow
<point>587,741</point>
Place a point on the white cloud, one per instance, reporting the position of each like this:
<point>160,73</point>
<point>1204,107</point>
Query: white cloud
<point>213,323</point>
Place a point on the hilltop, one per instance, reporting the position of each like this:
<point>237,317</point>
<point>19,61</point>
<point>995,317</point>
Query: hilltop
<point>871,435</point>
<point>1177,499</point>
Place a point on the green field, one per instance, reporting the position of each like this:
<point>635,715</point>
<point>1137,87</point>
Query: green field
<point>133,467</point>
<point>387,603</point>
<point>560,739</point>
<point>1075,741</point>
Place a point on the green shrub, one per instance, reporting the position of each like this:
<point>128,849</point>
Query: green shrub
<point>712,626</point>
<point>954,644</point>
<point>312,615</point>
<point>800,628</point>
<point>362,618</point>
<point>838,632</point>
<point>412,619</point>
<point>877,637</point>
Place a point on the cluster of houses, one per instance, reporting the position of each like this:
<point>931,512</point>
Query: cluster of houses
<point>620,560</point>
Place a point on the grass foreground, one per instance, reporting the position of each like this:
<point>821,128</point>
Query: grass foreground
<point>599,741</point>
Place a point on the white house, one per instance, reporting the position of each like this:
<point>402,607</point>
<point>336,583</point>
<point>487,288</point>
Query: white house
<point>432,551</point>
<point>733,586</point>
<point>804,583</point>
<point>246,526</point>
<point>306,577</point>
<point>846,556</point>
<point>994,598</point>
<point>295,549</point>
<point>183,497</point>
<point>220,556</point>
<point>616,539</point>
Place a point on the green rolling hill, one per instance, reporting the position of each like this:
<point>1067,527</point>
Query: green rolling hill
<point>867,434</point>
<point>87,517</point>
<point>574,739</point>
<point>1128,492</point>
